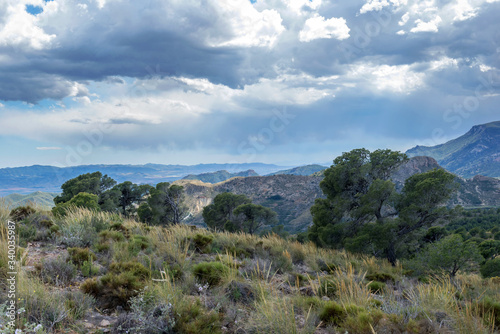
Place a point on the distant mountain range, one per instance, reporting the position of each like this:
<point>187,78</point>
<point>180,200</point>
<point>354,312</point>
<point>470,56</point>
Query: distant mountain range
<point>475,153</point>
<point>25,180</point>
<point>223,175</point>
<point>301,170</point>
<point>219,176</point>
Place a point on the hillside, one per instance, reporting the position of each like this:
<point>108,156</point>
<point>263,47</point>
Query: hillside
<point>302,170</point>
<point>291,196</point>
<point>179,279</point>
<point>25,180</point>
<point>39,199</point>
<point>475,153</point>
<point>219,176</point>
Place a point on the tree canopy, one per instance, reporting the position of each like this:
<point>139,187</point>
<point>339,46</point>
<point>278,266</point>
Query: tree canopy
<point>231,212</point>
<point>166,205</point>
<point>220,212</point>
<point>91,183</point>
<point>362,210</point>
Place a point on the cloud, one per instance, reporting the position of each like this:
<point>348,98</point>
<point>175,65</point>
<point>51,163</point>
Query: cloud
<point>430,26</point>
<point>51,148</point>
<point>20,29</point>
<point>206,76</point>
<point>249,27</point>
<point>318,27</point>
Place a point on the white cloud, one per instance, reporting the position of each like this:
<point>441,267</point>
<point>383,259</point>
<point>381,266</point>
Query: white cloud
<point>19,28</point>
<point>463,10</point>
<point>404,19</point>
<point>249,26</point>
<point>385,78</point>
<point>430,26</point>
<point>377,5</point>
<point>1,105</point>
<point>443,63</point>
<point>319,27</point>
<point>298,5</point>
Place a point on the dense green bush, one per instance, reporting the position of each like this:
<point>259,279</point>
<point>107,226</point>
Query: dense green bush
<point>202,242</point>
<point>376,287</point>
<point>123,281</point>
<point>210,272</point>
<point>21,212</point>
<point>80,255</point>
<point>491,268</point>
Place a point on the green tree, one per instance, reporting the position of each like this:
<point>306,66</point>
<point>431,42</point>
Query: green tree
<point>145,213</point>
<point>91,183</point>
<point>124,197</point>
<point>220,212</point>
<point>251,217</point>
<point>81,200</point>
<point>362,209</point>
<point>450,255</point>
<point>167,204</point>
<point>489,248</point>
<point>491,268</point>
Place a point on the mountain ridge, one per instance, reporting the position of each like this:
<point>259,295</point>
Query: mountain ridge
<point>477,152</point>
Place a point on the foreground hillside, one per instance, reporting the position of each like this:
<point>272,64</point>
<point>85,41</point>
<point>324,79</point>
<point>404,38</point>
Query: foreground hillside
<point>96,272</point>
<point>475,153</point>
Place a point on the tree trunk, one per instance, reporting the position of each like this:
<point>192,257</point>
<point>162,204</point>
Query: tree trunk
<point>391,254</point>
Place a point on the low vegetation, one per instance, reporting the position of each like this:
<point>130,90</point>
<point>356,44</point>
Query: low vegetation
<point>176,279</point>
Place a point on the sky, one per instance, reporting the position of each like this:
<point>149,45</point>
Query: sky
<point>288,82</point>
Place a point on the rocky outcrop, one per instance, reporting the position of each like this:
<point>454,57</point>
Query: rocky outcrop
<point>291,196</point>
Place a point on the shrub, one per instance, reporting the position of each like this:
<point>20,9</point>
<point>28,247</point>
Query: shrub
<point>376,287</point>
<point>77,235</point>
<point>297,279</point>
<point>138,243</point>
<point>123,281</point>
<point>202,242</point>
<point>210,272</point>
<point>80,255</point>
<point>380,277</point>
<point>491,268</point>
<point>327,287</point>
<point>193,318</point>
<point>148,316</point>
<point>332,313</point>
<point>326,266</point>
<point>45,308</point>
<point>57,271</point>
<point>77,303</point>
<point>297,252</point>
<point>282,263</point>
<point>240,292</point>
<point>490,310</point>
<point>335,314</point>
<point>27,233</point>
<point>88,269</point>
<point>136,268</point>
<point>21,213</point>
<point>111,235</point>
